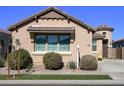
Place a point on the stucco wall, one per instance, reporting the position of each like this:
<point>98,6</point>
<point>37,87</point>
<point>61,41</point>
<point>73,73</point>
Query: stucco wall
<point>82,38</point>
<point>99,47</point>
<point>110,53</point>
<point>108,36</point>
<point>98,52</point>
<point>116,53</point>
<point>122,52</point>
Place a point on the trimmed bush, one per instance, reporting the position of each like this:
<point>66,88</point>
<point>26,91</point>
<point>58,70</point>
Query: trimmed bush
<point>88,62</point>
<point>72,65</point>
<point>2,63</point>
<point>53,61</point>
<point>25,59</point>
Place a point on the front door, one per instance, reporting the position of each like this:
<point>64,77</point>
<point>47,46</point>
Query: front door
<point>105,48</point>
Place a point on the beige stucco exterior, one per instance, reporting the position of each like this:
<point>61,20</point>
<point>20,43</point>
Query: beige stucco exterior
<point>82,38</point>
<point>83,35</point>
<point>107,36</point>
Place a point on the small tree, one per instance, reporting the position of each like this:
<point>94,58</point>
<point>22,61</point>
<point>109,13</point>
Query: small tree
<point>15,44</point>
<point>18,44</point>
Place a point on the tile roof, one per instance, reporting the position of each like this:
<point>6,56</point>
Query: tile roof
<point>104,27</point>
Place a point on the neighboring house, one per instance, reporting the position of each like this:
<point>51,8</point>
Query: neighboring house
<point>118,43</point>
<point>5,43</point>
<point>54,31</point>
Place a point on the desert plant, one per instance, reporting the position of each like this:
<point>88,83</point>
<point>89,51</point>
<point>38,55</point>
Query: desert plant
<point>2,63</point>
<point>88,62</point>
<point>53,61</point>
<point>25,59</point>
<point>72,65</point>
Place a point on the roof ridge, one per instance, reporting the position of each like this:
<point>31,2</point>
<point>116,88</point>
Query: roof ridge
<point>47,10</point>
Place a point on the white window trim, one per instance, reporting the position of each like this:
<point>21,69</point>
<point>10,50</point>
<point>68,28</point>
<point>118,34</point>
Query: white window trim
<point>42,53</point>
<point>95,52</point>
<point>46,47</point>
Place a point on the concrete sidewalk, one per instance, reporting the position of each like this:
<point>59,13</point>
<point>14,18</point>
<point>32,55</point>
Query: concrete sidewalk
<point>61,82</point>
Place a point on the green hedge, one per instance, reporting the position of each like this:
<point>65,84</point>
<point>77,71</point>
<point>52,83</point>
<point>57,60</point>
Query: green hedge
<point>25,59</point>
<point>2,62</point>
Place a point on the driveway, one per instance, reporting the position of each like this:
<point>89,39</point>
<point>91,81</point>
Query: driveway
<point>114,68</point>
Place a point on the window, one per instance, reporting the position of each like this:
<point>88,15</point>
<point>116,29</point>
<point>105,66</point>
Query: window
<point>104,33</point>
<point>122,43</point>
<point>52,43</point>
<point>40,42</point>
<point>64,42</point>
<point>94,45</point>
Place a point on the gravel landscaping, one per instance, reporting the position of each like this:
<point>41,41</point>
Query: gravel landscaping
<point>113,68</point>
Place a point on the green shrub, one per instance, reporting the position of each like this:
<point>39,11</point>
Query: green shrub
<point>88,62</point>
<point>53,61</point>
<point>72,65</point>
<point>25,59</point>
<point>2,63</point>
<point>100,58</point>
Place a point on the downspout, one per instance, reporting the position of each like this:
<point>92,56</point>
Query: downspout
<point>78,56</point>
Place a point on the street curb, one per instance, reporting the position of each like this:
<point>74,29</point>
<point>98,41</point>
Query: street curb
<point>61,83</point>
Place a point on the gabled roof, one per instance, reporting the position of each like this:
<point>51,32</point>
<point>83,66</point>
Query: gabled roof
<point>11,28</point>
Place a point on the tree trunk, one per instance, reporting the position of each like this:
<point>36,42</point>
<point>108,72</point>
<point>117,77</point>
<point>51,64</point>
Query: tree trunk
<point>8,70</point>
<point>19,62</point>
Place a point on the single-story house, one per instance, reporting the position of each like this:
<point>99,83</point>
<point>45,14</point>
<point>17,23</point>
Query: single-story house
<point>5,43</point>
<point>53,30</point>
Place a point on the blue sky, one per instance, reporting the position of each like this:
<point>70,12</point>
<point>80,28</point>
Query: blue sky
<point>94,16</point>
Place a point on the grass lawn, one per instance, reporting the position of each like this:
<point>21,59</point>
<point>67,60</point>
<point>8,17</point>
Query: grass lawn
<point>60,77</point>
